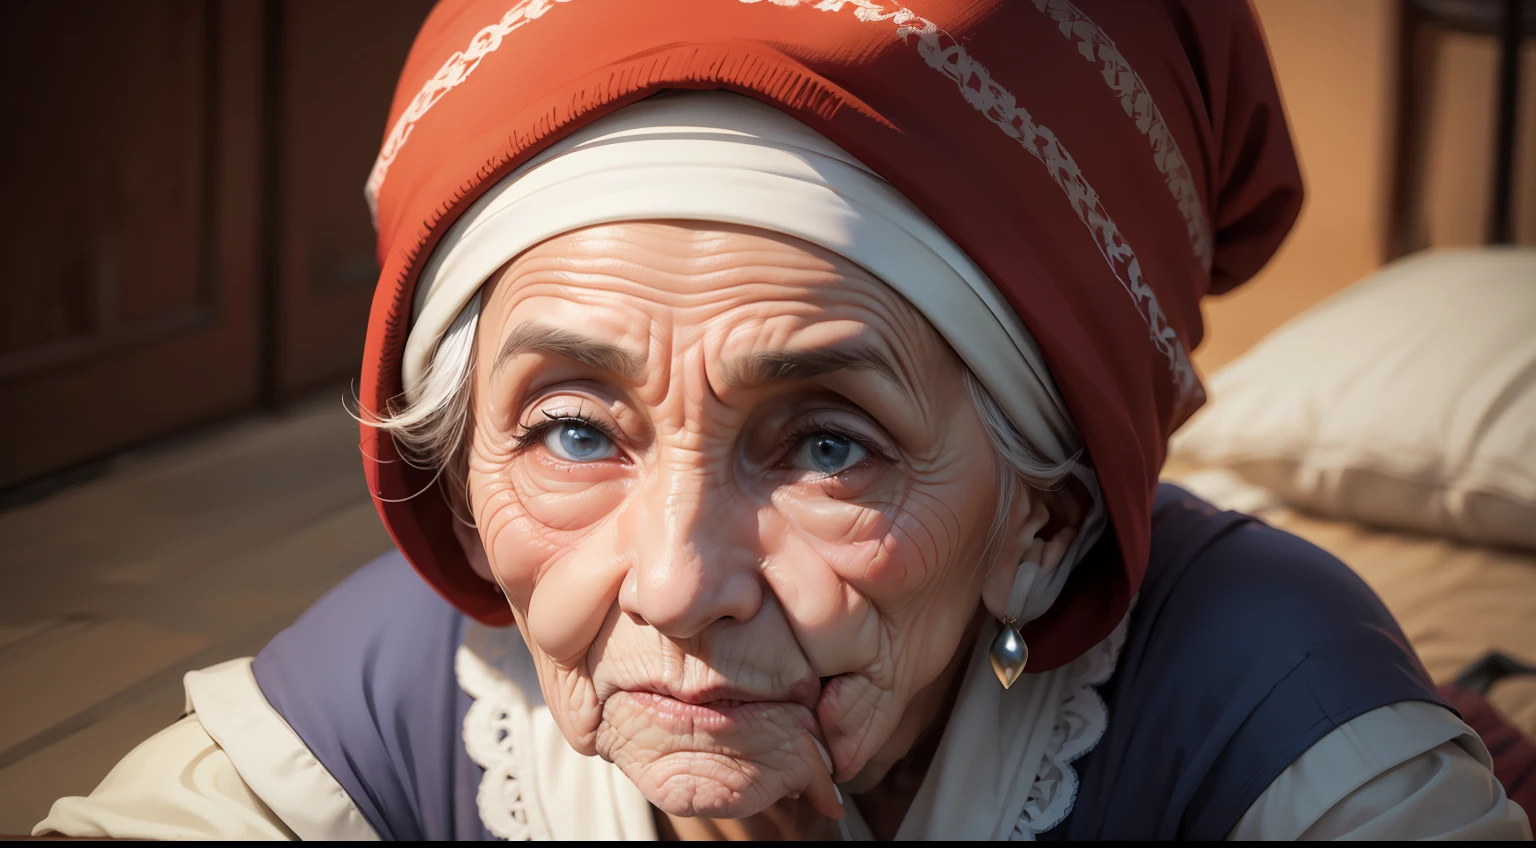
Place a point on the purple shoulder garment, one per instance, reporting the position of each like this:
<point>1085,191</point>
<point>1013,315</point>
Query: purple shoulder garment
<point>365,677</point>
<point>1245,647</point>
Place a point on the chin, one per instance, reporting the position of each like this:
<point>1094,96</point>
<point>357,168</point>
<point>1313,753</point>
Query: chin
<point>716,760</point>
<point>713,785</point>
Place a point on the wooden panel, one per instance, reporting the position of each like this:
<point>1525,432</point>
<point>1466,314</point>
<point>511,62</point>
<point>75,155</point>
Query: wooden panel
<point>111,153</point>
<point>127,302</point>
<point>339,63</point>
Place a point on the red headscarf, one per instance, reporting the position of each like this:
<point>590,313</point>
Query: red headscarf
<point>1106,163</point>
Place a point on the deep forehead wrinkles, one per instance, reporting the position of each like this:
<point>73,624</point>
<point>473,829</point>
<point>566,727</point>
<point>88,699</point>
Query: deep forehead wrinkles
<point>592,296</point>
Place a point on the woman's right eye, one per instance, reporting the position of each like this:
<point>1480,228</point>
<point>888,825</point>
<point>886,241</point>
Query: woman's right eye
<point>827,453</point>
<point>579,441</point>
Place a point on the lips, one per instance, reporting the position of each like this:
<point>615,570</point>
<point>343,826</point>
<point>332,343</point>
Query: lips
<point>719,715</point>
<point>804,692</point>
<point>722,707</point>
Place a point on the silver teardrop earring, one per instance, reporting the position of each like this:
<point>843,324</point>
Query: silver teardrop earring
<point>1008,653</point>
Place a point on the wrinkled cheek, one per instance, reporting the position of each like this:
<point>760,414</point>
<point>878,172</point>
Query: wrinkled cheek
<point>525,527</point>
<point>572,701</point>
<point>829,520</point>
<point>911,555</point>
<point>886,553</point>
<point>516,546</point>
<point>847,536</point>
<point>559,506</point>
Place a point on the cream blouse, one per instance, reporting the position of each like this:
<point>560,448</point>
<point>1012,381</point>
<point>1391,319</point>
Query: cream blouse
<point>233,769</point>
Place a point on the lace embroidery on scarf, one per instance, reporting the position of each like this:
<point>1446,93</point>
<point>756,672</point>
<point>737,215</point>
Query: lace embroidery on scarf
<point>496,736</point>
<point>1080,724</point>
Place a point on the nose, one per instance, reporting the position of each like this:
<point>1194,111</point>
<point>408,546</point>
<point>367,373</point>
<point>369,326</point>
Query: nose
<point>692,547</point>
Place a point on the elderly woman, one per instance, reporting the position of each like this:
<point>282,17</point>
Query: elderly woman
<point>774,395</point>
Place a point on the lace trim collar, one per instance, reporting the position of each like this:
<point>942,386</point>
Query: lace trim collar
<point>498,733</point>
<point>1080,724</point>
<point>493,668</point>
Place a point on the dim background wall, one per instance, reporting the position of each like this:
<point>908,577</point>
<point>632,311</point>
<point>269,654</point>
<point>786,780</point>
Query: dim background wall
<point>1335,63</point>
<point>186,240</point>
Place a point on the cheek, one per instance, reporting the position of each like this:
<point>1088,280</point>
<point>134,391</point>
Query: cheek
<point>561,500</point>
<point>563,582</point>
<point>531,516</point>
<point>861,577</point>
<point>898,536</point>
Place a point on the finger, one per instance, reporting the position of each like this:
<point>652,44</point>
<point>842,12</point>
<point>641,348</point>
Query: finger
<point>825,797</point>
<point>823,794</point>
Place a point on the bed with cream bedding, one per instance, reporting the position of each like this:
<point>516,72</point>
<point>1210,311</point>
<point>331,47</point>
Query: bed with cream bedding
<point>1456,601</point>
<point>1394,425</point>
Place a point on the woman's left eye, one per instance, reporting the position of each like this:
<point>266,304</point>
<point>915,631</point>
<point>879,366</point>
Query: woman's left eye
<point>827,453</point>
<point>579,441</point>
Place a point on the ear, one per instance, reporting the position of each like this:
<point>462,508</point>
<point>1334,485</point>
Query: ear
<point>1041,526</point>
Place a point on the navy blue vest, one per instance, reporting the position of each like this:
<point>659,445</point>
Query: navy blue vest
<point>1247,645</point>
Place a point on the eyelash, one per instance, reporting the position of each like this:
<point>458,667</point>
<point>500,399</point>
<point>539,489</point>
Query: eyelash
<point>812,427</point>
<point>535,433</point>
<point>532,434</point>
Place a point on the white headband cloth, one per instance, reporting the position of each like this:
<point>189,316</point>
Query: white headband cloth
<point>725,158</point>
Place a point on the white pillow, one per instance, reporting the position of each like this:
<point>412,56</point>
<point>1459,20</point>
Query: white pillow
<point>1407,400</point>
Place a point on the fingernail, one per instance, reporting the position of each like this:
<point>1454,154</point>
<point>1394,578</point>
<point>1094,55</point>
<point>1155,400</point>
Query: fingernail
<point>825,757</point>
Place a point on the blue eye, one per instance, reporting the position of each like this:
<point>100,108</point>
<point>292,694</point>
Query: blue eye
<point>579,441</point>
<point>828,453</point>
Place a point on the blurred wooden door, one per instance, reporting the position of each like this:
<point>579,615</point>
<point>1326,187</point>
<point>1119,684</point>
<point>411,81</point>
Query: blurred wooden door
<point>336,63</point>
<point>129,178</point>
<point>184,229</point>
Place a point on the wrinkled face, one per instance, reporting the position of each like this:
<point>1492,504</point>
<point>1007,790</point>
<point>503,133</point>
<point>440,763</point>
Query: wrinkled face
<point>736,493</point>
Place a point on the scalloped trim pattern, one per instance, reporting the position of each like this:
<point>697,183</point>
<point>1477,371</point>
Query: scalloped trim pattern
<point>1095,45</point>
<point>455,70</point>
<point>497,736</point>
<point>1080,724</point>
<point>947,55</point>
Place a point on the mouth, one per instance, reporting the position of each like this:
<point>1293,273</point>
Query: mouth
<point>716,715</point>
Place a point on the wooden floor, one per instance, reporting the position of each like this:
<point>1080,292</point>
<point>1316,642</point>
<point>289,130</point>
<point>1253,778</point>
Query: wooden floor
<point>179,557</point>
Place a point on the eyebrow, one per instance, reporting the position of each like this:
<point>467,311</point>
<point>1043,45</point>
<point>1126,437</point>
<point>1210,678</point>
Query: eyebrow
<point>754,370</point>
<point>785,365</point>
<point>532,337</point>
